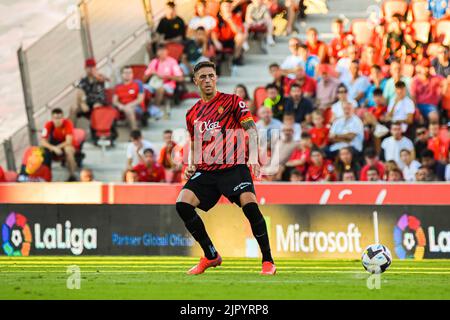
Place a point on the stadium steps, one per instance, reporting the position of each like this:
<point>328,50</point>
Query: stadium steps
<point>108,166</point>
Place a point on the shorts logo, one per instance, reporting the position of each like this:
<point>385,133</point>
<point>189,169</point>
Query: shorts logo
<point>16,235</point>
<point>409,238</point>
<point>196,175</point>
<point>242,186</point>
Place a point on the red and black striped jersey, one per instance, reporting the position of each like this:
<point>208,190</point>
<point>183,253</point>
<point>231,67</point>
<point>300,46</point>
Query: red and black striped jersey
<point>216,125</point>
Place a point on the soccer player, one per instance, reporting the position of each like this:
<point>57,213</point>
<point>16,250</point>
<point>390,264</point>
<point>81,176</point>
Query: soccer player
<point>214,124</point>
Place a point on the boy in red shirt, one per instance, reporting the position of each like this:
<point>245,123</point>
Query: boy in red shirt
<point>57,137</point>
<point>319,133</point>
<point>320,168</point>
<point>437,143</point>
<point>371,157</point>
<point>150,170</point>
<point>300,157</point>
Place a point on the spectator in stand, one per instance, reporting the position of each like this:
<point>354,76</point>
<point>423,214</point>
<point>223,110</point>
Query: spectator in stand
<point>395,175</point>
<point>129,96</point>
<point>308,84</point>
<point>369,58</point>
<point>346,162</point>
<point>349,176</point>
<point>315,46</point>
<point>275,101</point>
<point>401,109</point>
<point>424,174</point>
<point>196,50</point>
<point>299,105</point>
<point>296,176</point>
<point>241,91</point>
<point>411,165</point>
<point>344,63</point>
<point>267,123</point>
<point>149,170</point>
<point>168,158</point>
<point>327,87</point>
<point>436,167</point>
<point>391,146</point>
<point>135,149</point>
<point>346,131</point>
<point>2,175</point>
<point>309,62</point>
<point>320,169</point>
<point>359,85</point>
<point>371,161</point>
<point>289,120</point>
<point>439,8</point>
<point>300,157</point>
<point>373,175</point>
<point>86,175</point>
<point>319,132</point>
<point>377,81</point>
<point>376,113</point>
<point>90,92</point>
<point>201,19</point>
<point>427,91</point>
<point>340,42</point>
<point>441,64</point>
<point>130,176</point>
<point>293,61</point>
<point>164,72</point>
<point>389,91</point>
<point>421,142</point>
<point>258,16</point>
<point>279,79</point>
<point>337,108</point>
<point>57,137</point>
<point>229,32</point>
<point>437,142</point>
<point>171,27</point>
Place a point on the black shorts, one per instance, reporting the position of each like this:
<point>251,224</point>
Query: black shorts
<point>228,44</point>
<point>208,186</point>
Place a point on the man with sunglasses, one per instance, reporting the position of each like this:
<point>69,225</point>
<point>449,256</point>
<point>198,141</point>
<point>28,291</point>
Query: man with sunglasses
<point>337,108</point>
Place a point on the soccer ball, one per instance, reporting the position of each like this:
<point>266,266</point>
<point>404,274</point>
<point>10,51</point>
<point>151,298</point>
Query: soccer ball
<point>376,258</point>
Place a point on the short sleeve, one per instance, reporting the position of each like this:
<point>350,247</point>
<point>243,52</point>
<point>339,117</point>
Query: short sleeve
<point>151,68</point>
<point>69,127</point>
<point>190,125</point>
<point>46,130</point>
<point>241,111</point>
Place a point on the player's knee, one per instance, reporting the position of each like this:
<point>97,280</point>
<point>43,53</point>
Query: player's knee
<point>252,212</point>
<point>186,211</point>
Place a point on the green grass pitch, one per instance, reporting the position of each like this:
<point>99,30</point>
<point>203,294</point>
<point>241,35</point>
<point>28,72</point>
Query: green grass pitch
<point>165,278</point>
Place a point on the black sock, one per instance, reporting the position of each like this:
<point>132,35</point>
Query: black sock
<point>197,229</point>
<point>259,229</point>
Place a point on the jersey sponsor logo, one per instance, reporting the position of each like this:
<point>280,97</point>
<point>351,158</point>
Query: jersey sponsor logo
<point>242,185</point>
<point>208,126</point>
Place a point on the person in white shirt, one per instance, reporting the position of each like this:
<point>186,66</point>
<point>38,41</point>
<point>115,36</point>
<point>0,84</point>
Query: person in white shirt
<point>401,108</point>
<point>201,19</point>
<point>135,149</point>
<point>292,62</point>
<point>267,126</point>
<point>347,131</point>
<point>336,108</point>
<point>411,165</point>
<point>343,65</point>
<point>392,145</point>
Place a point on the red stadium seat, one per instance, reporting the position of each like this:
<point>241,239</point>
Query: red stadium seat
<point>443,31</point>
<point>258,29</point>
<point>408,70</point>
<point>213,8</point>
<point>362,31</point>
<point>11,176</point>
<point>79,136</point>
<point>102,119</point>
<point>259,96</point>
<point>419,9</point>
<point>109,93</point>
<point>422,31</point>
<point>175,50</point>
<point>138,71</point>
<point>392,7</point>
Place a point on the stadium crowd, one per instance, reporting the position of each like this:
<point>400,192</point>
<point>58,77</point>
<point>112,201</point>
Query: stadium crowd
<point>373,104</point>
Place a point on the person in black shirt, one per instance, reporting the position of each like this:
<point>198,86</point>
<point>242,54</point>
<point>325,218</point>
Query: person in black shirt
<point>302,107</point>
<point>196,50</point>
<point>90,92</point>
<point>421,142</point>
<point>171,28</point>
<point>437,167</point>
<point>279,79</point>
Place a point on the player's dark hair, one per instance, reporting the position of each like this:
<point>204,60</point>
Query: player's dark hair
<point>272,86</point>
<point>400,85</point>
<point>204,64</point>
<point>57,111</point>
<point>149,150</point>
<point>135,134</point>
<point>377,92</point>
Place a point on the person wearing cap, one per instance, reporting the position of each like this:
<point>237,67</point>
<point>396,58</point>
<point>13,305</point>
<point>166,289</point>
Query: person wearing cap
<point>427,91</point>
<point>90,91</point>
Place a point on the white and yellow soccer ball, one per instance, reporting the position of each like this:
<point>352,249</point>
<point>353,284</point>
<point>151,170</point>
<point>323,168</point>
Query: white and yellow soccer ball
<point>376,258</point>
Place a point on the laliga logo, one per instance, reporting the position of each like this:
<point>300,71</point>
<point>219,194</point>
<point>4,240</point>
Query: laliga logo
<point>16,235</point>
<point>409,238</point>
